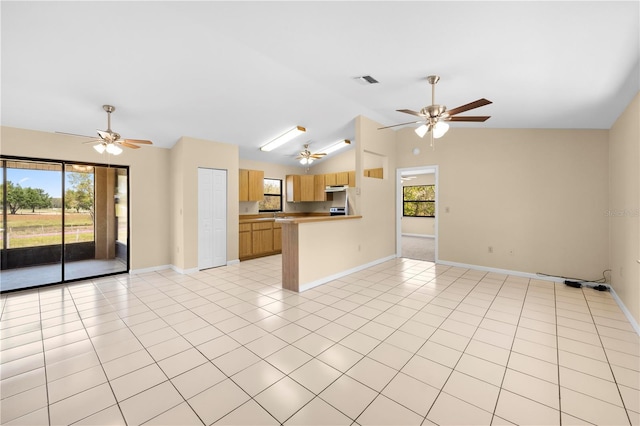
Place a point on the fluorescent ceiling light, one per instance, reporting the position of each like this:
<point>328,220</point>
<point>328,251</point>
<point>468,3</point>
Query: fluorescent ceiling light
<point>336,146</point>
<point>284,138</point>
<point>440,129</point>
<point>422,130</point>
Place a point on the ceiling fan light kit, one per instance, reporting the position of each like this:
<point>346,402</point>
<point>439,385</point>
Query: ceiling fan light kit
<point>433,118</point>
<point>306,157</point>
<point>283,138</point>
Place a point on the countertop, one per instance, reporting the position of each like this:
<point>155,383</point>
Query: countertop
<point>296,220</point>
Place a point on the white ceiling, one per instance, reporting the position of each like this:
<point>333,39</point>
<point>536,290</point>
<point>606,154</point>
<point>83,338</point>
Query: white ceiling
<point>245,72</point>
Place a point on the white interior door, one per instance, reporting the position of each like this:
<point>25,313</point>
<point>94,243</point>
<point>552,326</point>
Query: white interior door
<point>212,218</point>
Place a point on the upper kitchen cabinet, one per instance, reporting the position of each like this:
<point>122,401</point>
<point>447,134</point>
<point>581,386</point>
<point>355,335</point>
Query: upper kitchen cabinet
<point>251,185</point>
<point>342,178</point>
<point>319,188</point>
<point>300,188</point>
<point>330,179</point>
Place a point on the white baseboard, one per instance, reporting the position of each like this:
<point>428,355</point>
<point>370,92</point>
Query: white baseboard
<point>233,262</point>
<point>151,269</point>
<point>626,312</point>
<point>624,309</point>
<point>325,280</point>
<point>419,235</point>
<point>184,271</point>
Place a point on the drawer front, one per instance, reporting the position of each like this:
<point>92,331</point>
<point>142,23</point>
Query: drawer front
<point>261,226</point>
<point>245,227</point>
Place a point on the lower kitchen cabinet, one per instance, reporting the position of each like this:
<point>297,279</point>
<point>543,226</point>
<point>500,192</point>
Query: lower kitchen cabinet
<point>277,237</point>
<point>246,248</point>
<point>262,237</point>
<point>259,238</point>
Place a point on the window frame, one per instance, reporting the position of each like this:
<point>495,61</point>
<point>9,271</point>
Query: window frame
<point>405,201</point>
<point>264,195</point>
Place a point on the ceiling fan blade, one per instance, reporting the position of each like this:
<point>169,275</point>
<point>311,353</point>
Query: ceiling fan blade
<point>470,105</point>
<point>139,141</point>
<point>401,124</point>
<point>129,145</point>
<point>317,156</point>
<point>75,134</point>
<point>474,118</point>
<point>408,111</point>
<point>92,141</point>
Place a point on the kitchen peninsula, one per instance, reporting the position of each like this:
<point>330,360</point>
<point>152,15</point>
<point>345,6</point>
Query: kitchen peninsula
<point>314,249</point>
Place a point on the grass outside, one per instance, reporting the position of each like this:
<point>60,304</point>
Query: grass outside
<point>43,228</point>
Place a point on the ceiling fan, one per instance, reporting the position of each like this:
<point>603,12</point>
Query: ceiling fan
<point>306,157</point>
<point>110,141</point>
<point>434,117</point>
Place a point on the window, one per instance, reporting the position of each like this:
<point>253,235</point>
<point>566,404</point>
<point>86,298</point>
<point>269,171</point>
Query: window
<point>419,201</point>
<point>272,201</point>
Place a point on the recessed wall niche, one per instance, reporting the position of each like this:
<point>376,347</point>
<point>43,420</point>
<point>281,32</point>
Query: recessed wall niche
<point>374,165</point>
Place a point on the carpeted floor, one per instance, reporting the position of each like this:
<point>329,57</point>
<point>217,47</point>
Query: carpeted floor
<point>418,248</point>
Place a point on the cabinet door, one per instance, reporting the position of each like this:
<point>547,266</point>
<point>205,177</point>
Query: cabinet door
<point>256,185</point>
<point>245,240</point>
<point>293,188</point>
<point>277,237</point>
<point>244,185</point>
<point>330,179</point>
<point>352,178</point>
<point>342,178</point>
<point>262,237</point>
<point>245,244</point>
<point>319,187</point>
<point>307,190</point>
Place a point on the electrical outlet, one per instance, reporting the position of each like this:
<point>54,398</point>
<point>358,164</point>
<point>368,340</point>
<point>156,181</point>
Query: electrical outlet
<point>490,249</point>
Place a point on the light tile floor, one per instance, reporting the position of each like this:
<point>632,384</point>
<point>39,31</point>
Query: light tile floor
<point>403,343</point>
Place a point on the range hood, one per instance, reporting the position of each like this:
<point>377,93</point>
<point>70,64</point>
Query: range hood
<point>336,188</point>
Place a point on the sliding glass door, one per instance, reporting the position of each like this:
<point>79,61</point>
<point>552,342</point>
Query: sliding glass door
<point>61,222</point>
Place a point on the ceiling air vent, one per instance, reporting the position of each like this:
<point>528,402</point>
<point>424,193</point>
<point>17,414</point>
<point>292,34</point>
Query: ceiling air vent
<point>367,79</point>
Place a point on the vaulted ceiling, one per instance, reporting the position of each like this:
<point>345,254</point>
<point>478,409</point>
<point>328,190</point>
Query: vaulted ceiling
<point>245,72</point>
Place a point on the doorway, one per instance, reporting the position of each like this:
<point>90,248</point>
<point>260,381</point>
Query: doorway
<point>417,218</point>
<point>62,221</point>
<point>212,218</point>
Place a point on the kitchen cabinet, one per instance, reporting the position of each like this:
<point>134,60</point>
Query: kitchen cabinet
<point>300,188</point>
<point>352,178</point>
<point>342,178</point>
<point>251,185</point>
<point>277,237</point>
<point>319,188</point>
<point>330,179</point>
<point>259,238</point>
<point>246,248</point>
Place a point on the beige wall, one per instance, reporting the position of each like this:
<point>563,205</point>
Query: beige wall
<point>419,225</point>
<point>148,179</point>
<point>340,161</point>
<point>330,248</point>
<point>376,200</point>
<point>187,156</point>
<point>536,197</point>
<point>624,206</point>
